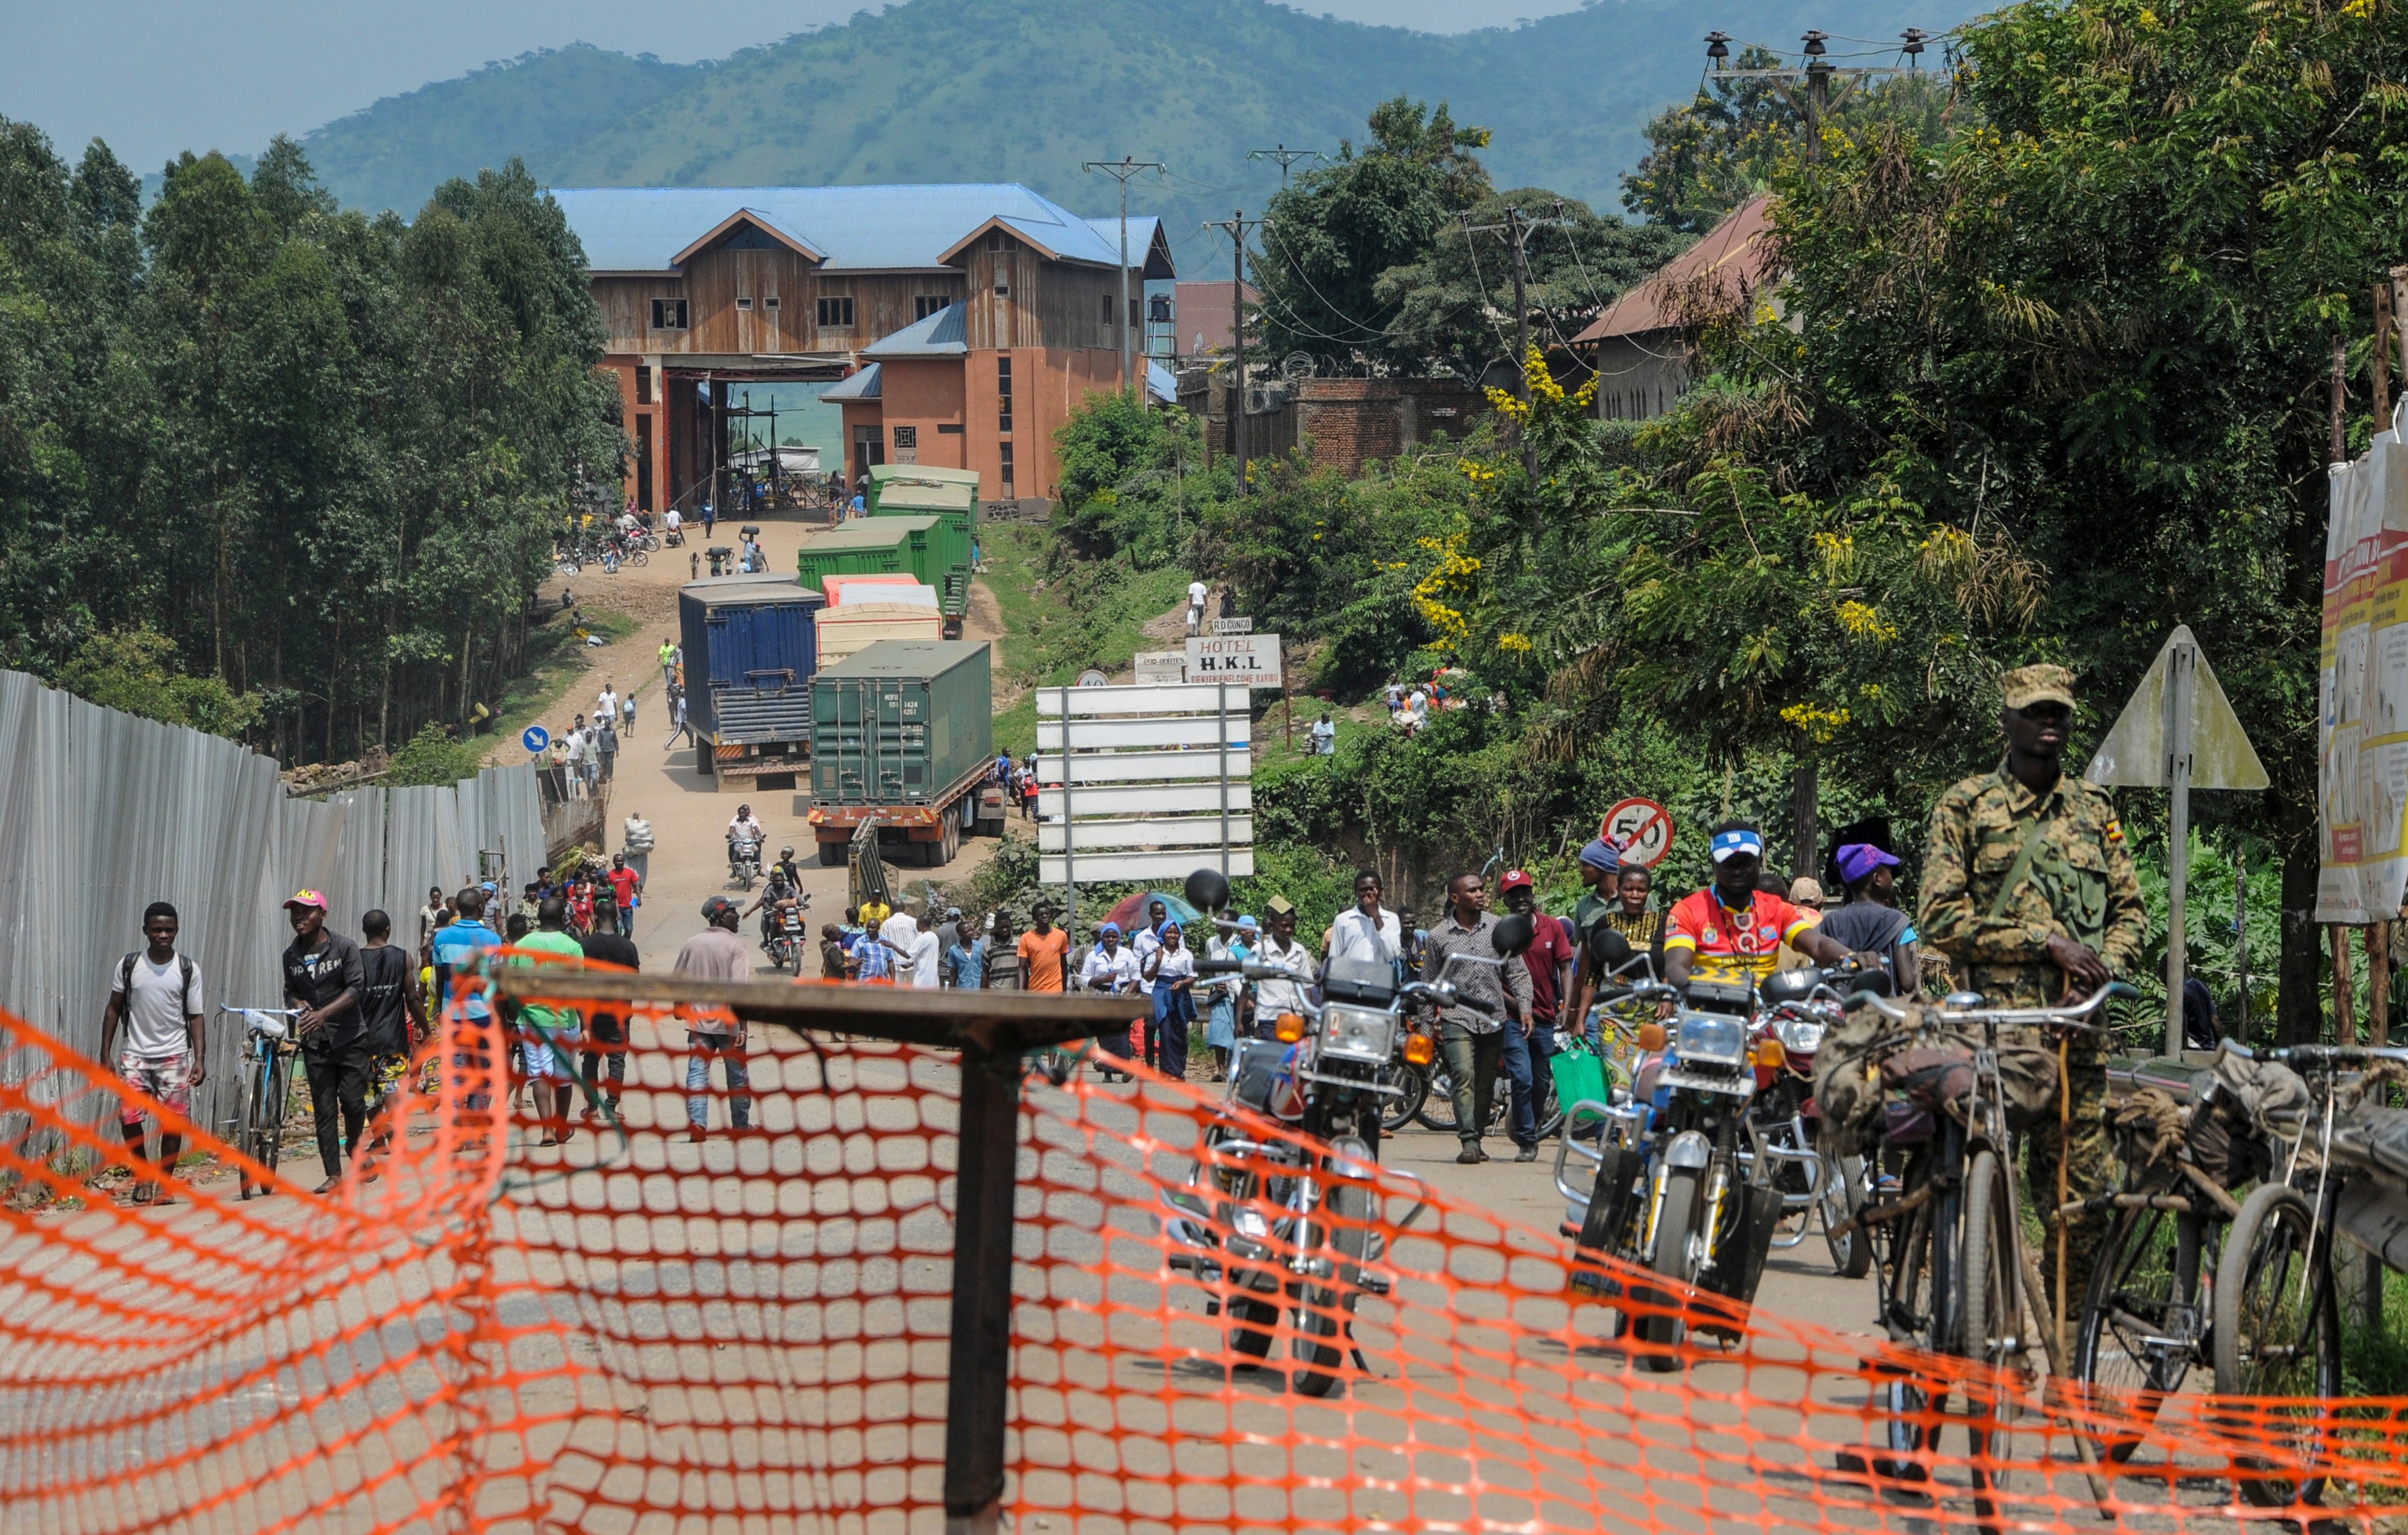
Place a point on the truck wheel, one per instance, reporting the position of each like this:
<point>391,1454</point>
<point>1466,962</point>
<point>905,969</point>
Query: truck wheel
<point>831,854</point>
<point>953,842</point>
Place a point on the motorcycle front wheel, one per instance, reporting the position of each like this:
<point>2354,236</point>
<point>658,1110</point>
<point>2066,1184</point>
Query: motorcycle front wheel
<point>1674,1259</point>
<point>1323,1321</point>
<point>1409,1080</point>
<point>1845,1191</point>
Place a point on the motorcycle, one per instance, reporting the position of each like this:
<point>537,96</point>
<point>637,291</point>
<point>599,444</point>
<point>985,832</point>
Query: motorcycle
<point>784,942</point>
<point>1274,1224</point>
<point>1674,1191</point>
<point>743,861</point>
<point>1784,1124</point>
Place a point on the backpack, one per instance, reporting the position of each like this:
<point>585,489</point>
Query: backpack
<point>184,967</point>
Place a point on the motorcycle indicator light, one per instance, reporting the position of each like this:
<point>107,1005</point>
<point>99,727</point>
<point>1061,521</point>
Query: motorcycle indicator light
<point>1289,1029</point>
<point>1768,1052</point>
<point>1651,1036</point>
<point>1420,1050</point>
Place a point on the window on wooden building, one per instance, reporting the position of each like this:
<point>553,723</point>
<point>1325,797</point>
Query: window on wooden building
<point>1003,390</point>
<point>1108,308</point>
<point>836,311</point>
<point>1008,492</point>
<point>925,305</point>
<point>744,301</point>
<point>643,385</point>
<point>668,314</point>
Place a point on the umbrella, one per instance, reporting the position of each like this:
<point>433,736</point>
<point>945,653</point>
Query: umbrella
<point>1131,912</point>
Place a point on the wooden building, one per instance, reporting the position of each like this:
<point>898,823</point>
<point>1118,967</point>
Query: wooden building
<point>1641,346</point>
<point>959,325</point>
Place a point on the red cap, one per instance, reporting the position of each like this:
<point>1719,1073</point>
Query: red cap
<point>1515,879</point>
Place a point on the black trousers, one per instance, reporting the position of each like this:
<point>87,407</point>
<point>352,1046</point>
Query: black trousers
<point>338,1085</point>
<point>604,1029</point>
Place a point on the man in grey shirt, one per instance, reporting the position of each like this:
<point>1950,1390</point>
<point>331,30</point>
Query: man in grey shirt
<point>1473,1042</point>
<point>716,954</point>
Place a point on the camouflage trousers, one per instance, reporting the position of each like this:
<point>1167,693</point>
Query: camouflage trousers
<point>2089,1157</point>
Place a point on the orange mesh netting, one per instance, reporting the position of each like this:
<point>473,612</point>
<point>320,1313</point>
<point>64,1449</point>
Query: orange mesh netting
<point>640,1332</point>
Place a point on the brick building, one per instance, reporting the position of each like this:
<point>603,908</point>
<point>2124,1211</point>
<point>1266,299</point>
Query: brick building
<point>961,324</point>
<point>1641,346</point>
<point>1348,421</point>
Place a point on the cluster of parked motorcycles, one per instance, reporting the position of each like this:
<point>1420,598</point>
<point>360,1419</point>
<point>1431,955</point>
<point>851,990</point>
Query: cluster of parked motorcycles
<point>609,545</point>
<point>1711,1149</point>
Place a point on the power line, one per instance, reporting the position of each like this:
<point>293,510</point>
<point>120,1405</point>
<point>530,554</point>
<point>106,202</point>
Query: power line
<point>1237,224</point>
<point>1285,157</point>
<point>1120,171</point>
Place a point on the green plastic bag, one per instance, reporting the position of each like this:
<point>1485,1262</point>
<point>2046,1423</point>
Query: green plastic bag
<point>1578,1076</point>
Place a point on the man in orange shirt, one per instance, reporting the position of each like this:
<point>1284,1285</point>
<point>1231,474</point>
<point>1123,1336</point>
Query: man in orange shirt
<point>1732,932</point>
<point>1044,952</point>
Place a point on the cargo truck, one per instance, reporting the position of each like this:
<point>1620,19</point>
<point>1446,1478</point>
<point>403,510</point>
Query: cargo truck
<point>951,496</point>
<point>751,650</point>
<point>902,735</point>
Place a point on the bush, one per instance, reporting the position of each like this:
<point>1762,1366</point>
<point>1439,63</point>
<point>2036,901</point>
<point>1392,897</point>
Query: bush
<point>432,756</point>
<point>135,671</point>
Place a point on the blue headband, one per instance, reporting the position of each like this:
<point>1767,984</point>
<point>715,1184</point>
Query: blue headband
<point>1732,844</point>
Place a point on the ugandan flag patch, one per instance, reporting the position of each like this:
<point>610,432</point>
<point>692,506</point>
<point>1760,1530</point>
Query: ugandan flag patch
<point>2115,831</point>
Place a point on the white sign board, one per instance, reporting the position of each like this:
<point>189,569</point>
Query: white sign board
<point>1159,666</point>
<point>1052,868</point>
<point>1253,659</point>
<point>1233,626</point>
<point>1148,781</point>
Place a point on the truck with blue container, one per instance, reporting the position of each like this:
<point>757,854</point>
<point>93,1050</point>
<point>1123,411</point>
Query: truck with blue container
<point>751,650</point>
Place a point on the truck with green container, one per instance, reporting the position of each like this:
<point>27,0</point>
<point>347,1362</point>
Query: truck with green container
<point>923,547</point>
<point>902,736</point>
<point>950,496</point>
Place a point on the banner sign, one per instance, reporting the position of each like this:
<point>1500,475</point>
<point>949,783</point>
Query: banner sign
<point>2363,689</point>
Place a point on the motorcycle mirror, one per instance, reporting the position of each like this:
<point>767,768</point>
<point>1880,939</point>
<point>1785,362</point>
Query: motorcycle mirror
<point>1651,1036</point>
<point>1208,890</point>
<point>1512,935</point>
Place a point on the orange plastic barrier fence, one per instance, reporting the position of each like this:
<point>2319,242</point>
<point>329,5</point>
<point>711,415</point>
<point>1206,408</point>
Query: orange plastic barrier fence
<point>642,1330</point>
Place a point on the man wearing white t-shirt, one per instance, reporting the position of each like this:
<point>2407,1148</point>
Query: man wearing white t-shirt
<point>1196,592</point>
<point>1367,929</point>
<point>157,992</point>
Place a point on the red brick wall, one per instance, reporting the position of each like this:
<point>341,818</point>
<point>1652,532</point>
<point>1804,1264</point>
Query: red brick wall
<point>1350,420</point>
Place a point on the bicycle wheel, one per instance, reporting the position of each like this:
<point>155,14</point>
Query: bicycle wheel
<point>280,1103</point>
<point>1398,1112</point>
<point>1846,1192</point>
<point>1437,1112</point>
<point>246,1135</point>
<point>2145,1322</point>
<point>1993,1330</point>
<point>1677,1251</point>
<point>2277,1330</point>
<point>635,555</point>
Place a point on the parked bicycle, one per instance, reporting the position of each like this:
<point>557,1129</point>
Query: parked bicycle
<point>268,1048</point>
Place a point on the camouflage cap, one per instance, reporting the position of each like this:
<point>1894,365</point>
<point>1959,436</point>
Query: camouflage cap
<point>2027,685</point>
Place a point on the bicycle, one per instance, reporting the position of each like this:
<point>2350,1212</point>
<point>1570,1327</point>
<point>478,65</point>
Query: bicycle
<point>1960,1277</point>
<point>267,1051</point>
<point>2277,1313</point>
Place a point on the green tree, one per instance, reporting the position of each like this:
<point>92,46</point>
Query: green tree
<point>1453,306</point>
<point>1331,233</point>
<point>135,671</point>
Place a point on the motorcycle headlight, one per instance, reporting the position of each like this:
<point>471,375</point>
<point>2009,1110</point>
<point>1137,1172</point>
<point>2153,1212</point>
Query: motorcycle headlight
<point>1800,1035</point>
<point>1711,1039</point>
<point>1357,1034</point>
<point>1249,1222</point>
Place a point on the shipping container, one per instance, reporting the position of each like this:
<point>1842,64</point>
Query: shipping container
<point>949,495</point>
<point>862,591</point>
<point>901,735</point>
<point>868,547</point>
<point>751,650</point>
<point>846,632</point>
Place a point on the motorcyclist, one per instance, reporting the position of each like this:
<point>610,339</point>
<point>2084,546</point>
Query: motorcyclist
<point>744,830</point>
<point>1732,931</point>
<point>786,866</point>
<point>779,895</point>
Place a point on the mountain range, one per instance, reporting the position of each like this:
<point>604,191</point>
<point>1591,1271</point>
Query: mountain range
<point>1028,90</point>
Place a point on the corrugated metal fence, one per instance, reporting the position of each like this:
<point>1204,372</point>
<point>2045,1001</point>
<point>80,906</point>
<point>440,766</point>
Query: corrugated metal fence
<point>101,814</point>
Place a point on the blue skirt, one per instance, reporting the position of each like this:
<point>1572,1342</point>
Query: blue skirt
<point>1221,1027</point>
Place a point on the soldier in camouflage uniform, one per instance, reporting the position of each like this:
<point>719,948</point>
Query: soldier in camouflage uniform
<point>2028,887</point>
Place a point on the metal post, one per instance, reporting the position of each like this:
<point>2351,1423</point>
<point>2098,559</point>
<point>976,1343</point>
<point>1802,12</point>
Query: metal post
<point>2182,671</point>
<point>2345,1006</point>
<point>1070,869</point>
<point>2378,985</point>
<point>1220,726</point>
<point>2241,942</point>
<point>1238,339</point>
<point>976,1396</point>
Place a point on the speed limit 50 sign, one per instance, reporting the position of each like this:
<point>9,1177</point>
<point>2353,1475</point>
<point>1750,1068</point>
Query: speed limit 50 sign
<point>1642,828</point>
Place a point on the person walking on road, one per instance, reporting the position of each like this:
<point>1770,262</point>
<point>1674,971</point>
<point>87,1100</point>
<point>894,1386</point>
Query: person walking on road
<point>636,845</point>
<point>325,978</point>
<point>1172,970</point>
<point>668,662</point>
<point>156,994</point>
<point>430,917</point>
<point>1044,952</point>
<point>1196,592</point>
<point>393,1018</point>
<point>677,722</point>
<point>716,954</point>
<point>2060,921</point>
<point>1473,1042</point>
<point>1110,970</point>
<point>1530,1048</point>
<point>466,943</point>
<point>605,743</point>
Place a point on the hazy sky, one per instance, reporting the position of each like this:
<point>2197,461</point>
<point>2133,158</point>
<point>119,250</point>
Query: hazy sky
<point>154,76</point>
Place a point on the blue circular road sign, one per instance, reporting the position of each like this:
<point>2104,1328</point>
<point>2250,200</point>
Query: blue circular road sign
<point>536,739</point>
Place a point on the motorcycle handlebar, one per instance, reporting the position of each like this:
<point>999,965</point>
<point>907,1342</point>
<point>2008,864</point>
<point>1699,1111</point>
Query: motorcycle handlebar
<point>1220,966</point>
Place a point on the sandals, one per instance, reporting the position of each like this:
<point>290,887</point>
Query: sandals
<point>145,1193</point>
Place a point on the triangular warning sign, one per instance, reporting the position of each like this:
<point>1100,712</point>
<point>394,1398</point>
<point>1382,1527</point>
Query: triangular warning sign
<point>2136,753</point>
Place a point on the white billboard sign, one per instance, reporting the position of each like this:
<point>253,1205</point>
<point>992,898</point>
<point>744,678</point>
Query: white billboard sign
<point>1052,868</point>
<point>1251,659</point>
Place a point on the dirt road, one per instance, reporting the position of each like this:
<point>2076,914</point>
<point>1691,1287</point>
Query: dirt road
<point>688,811</point>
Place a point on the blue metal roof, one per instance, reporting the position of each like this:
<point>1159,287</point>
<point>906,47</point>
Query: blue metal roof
<point>863,385</point>
<point>943,334</point>
<point>1161,382</point>
<point>641,229</point>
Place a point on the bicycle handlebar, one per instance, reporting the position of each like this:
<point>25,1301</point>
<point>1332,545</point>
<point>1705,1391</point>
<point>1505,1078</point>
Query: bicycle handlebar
<point>2071,1016</point>
<point>2320,1054</point>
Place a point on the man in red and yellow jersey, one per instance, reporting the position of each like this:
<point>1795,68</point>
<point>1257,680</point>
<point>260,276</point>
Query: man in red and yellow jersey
<point>1732,932</point>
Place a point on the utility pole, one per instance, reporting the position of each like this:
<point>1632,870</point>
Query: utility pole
<point>1517,230</point>
<point>1237,224</point>
<point>1121,170</point>
<point>1285,157</point>
<point>1816,72</point>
